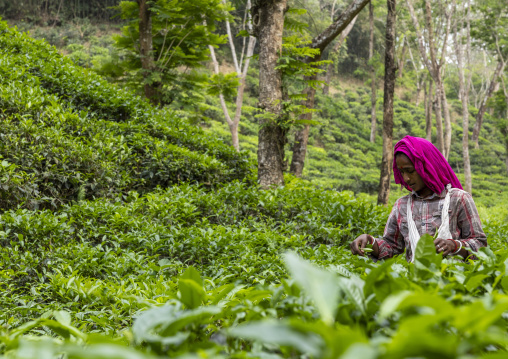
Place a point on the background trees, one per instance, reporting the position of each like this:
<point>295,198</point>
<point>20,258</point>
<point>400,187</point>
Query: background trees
<point>187,56</point>
<point>164,41</point>
<point>56,12</point>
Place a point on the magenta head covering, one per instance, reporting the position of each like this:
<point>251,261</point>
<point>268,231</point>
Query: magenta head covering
<point>429,164</point>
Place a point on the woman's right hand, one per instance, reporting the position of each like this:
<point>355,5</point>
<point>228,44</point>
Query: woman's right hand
<point>358,245</point>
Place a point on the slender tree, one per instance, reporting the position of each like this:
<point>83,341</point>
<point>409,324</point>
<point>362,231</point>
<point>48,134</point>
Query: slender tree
<point>389,89</point>
<point>464,85</point>
<point>372,76</point>
<point>146,49</point>
<point>241,67</point>
<point>268,21</point>
<point>434,65</point>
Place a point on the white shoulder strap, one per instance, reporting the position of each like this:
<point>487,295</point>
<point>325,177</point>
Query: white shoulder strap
<point>414,236</point>
<point>444,229</point>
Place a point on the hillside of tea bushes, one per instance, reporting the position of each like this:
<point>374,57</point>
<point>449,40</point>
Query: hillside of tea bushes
<point>67,134</point>
<point>128,233</point>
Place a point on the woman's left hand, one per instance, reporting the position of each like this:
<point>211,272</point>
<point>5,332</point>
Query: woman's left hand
<point>444,246</point>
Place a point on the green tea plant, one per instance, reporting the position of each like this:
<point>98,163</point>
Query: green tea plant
<point>68,134</point>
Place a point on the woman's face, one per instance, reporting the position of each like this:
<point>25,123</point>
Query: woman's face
<point>409,174</point>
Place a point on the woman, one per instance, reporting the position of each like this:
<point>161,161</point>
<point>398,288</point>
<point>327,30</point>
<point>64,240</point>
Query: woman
<point>436,194</point>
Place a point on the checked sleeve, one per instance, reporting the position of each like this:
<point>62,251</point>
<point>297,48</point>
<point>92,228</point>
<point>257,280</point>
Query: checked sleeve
<point>392,242</point>
<point>469,224</point>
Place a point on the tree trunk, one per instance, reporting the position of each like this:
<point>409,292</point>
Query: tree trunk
<point>439,120</point>
<point>464,97</point>
<point>302,135</point>
<point>233,128</point>
<point>331,32</point>
<point>320,42</point>
<point>372,76</point>
<point>428,113</point>
<point>146,49</point>
<point>483,107</point>
<point>389,89</point>
<point>268,18</point>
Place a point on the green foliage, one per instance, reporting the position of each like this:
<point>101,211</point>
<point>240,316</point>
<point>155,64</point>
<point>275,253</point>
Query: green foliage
<point>181,32</point>
<point>489,28</point>
<point>68,134</point>
<point>352,307</point>
<point>225,84</point>
<point>299,70</point>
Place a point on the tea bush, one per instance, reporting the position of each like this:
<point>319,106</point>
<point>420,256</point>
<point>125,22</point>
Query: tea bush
<point>67,134</point>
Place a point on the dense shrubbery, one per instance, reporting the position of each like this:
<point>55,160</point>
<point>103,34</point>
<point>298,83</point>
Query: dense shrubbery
<point>68,134</point>
<point>97,264</point>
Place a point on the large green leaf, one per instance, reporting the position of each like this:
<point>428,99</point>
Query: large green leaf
<point>320,285</point>
<point>192,293</point>
<point>60,328</point>
<point>192,274</point>
<point>381,283</point>
<point>164,324</point>
<point>427,261</point>
<point>353,288</point>
<point>279,333</point>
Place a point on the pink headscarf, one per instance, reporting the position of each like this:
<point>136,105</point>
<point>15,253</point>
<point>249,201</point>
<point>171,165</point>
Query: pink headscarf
<point>429,164</point>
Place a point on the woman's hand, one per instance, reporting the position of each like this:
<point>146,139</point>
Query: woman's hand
<point>445,246</point>
<point>358,245</point>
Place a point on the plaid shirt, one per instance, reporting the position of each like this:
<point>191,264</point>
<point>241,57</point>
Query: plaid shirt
<point>465,222</point>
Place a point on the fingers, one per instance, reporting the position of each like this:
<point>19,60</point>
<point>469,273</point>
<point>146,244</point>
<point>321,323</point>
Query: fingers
<point>440,245</point>
<point>444,246</point>
<point>355,249</point>
<point>358,245</point>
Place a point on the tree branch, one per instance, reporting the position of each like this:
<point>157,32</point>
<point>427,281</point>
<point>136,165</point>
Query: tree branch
<point>322,40</point>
